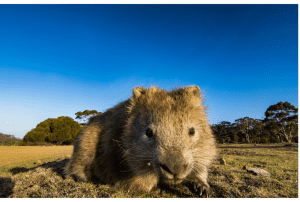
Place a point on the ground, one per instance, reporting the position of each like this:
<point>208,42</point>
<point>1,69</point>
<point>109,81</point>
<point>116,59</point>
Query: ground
<point>42,175</point>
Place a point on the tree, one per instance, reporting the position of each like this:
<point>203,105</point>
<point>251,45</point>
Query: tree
<point>221,130</point>
<point>86,114</point>
<point>8,139</point>
<point>62,130</point>
<point>236,138</point>
<point>283,117</point>
<point>244,125</point>
<point>257,130</point>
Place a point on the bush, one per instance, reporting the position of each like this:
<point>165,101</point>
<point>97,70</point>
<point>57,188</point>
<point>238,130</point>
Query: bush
<point>228,139</point>
<point>22,143</point>
<point>264,140</point>
<point>62,130</point>
<point>14,143</point>
<point>236,138</point>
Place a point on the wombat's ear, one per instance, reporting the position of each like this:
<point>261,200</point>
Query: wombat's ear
<point>194,93</point>
<point>194,90</point>
<point>138,91</point>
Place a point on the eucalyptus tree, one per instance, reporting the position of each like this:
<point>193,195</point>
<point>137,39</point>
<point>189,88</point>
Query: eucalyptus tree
<point>257,130</point>
<point>283,119</point>
<point>221,130</point>
<point>86,114</point>
<point>244,125</point>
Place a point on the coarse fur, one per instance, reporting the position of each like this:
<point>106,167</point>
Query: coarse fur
<point>156,135</point>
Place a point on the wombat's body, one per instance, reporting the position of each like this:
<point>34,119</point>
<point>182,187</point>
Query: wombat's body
<point>155,135</point>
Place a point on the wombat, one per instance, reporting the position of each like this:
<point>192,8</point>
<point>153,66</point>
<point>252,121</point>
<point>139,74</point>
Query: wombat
<point>154,136</point>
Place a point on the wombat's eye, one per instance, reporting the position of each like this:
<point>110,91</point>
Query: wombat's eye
<point>149,132</point>
<point>192,131</point>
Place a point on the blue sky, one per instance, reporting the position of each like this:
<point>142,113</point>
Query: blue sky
<point>56,60</point>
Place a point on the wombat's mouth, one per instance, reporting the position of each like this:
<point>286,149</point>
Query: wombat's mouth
<point>172,181</point>
<point>172,177</point>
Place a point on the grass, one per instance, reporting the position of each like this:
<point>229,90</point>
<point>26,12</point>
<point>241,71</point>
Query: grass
<point>234,181</point>
<point>29,156</point>
<point>45,178</point>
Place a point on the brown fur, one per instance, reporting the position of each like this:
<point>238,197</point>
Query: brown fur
<point>155,135</point>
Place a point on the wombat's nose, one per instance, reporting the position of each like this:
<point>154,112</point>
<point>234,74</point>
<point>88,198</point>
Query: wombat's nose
<point>174,169</point>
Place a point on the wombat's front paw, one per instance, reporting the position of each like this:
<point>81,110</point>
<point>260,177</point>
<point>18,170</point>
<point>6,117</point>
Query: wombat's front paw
<point>78,178</point>
<point>201,190</point>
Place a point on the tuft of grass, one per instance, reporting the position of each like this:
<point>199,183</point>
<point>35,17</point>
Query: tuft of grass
<point>46,178</point>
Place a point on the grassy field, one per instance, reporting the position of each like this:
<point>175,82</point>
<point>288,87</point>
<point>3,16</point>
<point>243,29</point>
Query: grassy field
<point>38,172</point>
<point>28,156</point>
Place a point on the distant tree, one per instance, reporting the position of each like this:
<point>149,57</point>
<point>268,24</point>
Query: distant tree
<point>271,131</point>
<point>282,118</point>
<point>34,136</point>
<point>79,115</point>
<point>86,114</point>
<point>257,130</point>
<point>22,143</point>
<point>228,139</point>
<point>236,138</point>
<point>221,130</point>
<point>62,130</point>
<point>264,140</point>
<point>8,139</point>
<point>244,125</point>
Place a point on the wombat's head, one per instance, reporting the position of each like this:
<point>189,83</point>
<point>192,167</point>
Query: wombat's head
<point>167,133</point>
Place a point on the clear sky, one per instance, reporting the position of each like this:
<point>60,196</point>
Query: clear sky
<point>56,60</point>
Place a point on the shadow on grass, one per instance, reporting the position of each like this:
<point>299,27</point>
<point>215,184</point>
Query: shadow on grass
<point>6,187</point>
<point>56,166</point>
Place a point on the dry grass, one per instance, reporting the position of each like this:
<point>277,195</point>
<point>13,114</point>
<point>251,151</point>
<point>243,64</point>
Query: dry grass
<point>230,180</point>
<point>29,156</point>
<point>234,181</point>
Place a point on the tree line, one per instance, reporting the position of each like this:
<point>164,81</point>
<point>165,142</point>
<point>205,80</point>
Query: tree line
<point>8,140</point>
<point>280,124</point>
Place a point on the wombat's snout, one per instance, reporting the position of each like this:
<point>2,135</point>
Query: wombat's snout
<point>173,166</point>
<point>175,170</point>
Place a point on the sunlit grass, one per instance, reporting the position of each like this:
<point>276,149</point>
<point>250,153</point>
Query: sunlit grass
<point>27,156</point>
<point>231,180</point>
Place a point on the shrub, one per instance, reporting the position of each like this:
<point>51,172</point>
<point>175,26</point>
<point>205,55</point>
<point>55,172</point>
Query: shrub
<point>264,140</point>
<point>236,138</point>
<point>62,130</point>
<point>22,143</point>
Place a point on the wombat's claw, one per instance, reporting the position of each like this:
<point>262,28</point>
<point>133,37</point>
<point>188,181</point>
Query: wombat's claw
<point>205,193</point>
<point>202,191</point>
